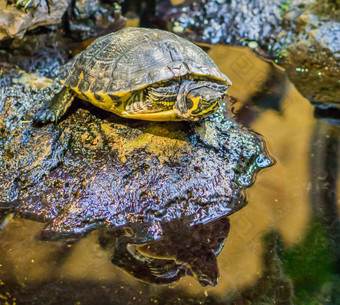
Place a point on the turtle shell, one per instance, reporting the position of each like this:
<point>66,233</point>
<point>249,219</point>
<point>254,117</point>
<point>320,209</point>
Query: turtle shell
<point>134,58</point>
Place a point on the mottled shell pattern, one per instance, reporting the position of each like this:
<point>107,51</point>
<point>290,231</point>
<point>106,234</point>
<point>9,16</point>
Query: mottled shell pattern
<point>115,65</point>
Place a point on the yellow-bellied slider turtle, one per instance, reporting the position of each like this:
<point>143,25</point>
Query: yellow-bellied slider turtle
<point>143,74</point>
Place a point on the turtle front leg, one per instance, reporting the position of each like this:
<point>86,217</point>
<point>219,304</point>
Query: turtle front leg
<point>55,108</point>
<point>181,108</point>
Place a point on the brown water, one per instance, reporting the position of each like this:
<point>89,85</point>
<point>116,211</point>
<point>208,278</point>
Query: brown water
<point>287,199</point>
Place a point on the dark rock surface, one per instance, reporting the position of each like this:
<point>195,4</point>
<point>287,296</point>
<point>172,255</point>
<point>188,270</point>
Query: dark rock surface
<point>95,170</point>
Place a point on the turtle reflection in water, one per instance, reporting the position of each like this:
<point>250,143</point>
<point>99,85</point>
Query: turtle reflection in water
<point>143,74</point>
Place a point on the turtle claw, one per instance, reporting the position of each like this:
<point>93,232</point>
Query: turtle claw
<point>45,116</point>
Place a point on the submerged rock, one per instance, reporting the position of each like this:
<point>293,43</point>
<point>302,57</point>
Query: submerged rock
<point>133,180</point>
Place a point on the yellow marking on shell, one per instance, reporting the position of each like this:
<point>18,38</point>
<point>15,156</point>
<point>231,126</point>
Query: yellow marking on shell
<point>168,115</point>
<point>107,103</point>
<point>76,90</point>
<point>125,95</point>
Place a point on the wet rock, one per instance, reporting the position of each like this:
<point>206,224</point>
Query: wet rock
<point>115,174</point>
<point>303,36</point>
<point>131,179</point>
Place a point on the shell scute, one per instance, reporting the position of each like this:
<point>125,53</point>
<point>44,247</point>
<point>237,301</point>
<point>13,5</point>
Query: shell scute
<point>161,72</point>
<point>84,85</point>
<point>73,79</point>
<point>99,85</point>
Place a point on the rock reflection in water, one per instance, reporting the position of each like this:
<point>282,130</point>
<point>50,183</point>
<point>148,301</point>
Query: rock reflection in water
<point>97,171</point>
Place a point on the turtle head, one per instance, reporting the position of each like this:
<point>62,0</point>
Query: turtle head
<point>200,99</point>
<point>202,102</point>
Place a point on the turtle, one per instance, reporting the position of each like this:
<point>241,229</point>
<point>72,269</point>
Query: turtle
<point>141,73</point>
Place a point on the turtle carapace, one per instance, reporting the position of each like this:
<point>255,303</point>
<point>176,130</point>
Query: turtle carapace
<point>141,73</point>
